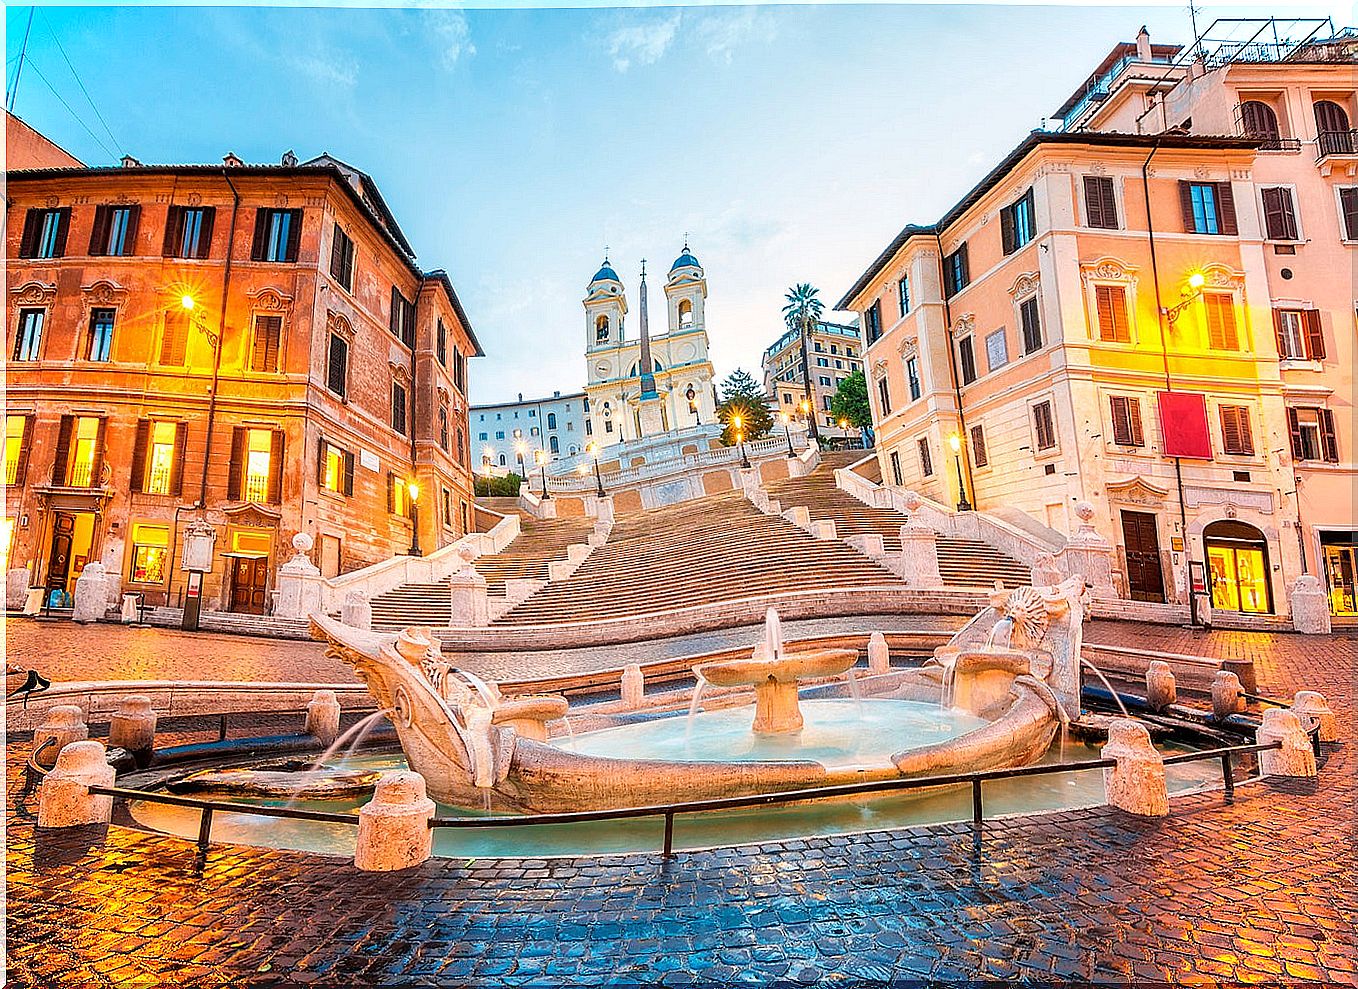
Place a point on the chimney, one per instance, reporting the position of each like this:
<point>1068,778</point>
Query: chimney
<point>556,394</point>
<point>520,396</point>
<point>130,162</point>
<point>1143,45</point>
<point>289,159</point>
<point>232,160</point>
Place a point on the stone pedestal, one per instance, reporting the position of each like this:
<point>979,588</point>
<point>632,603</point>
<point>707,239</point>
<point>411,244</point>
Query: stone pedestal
<point>467,598</point>
<point>776,711</point>
<point>1089,555</point>
<point>918,563</point>
<point>65,723</point>
<point>33,603</point>
<point>91,593</point>
<point>1226,691</point>
<point>299,593</point>
<point>1137,783</point>
<point>133,727</point>
<point>16,589</point>
<point>323,716</point>
<point>1311,710</point>
<point>64,799</point>
<point>1161,691</point>
<point>879,654</point>
<point>1310,606</point>
<point>1295,758</point>
<point>130,613</point>
<point>357,610</point>
<point>393,827</point>
<point>633,686</point>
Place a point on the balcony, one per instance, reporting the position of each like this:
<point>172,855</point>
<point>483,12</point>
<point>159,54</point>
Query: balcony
<point>1335,142</point>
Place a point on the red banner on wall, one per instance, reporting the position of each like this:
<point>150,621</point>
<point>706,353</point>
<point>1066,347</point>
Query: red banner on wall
<point>1183,425</point>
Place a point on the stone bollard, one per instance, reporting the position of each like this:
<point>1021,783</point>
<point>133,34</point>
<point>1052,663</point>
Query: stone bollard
<point>130,613</point>
<point>133,727</point>
<point>1312,709</point>
<point>393,827</point>
<point>64,798</point>
<point>323,716</point>
<point>1310,606</point>
<point>65,723</point>
<point>1160,688</point>
<point>879,654</point>
<point>1137,783</point>
<point>1295,758</point>
<point>1226,695</point>
<point>91,594</point>
<point>357,611</point>
<point>633,686</point>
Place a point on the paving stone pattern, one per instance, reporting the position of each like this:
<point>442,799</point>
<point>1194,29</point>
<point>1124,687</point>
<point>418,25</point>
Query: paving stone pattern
<point>1259,891</point>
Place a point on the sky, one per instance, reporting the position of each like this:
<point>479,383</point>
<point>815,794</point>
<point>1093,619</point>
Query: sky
<point>790,143</point>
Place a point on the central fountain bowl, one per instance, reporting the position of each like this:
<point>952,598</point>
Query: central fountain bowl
<point>775,681</point>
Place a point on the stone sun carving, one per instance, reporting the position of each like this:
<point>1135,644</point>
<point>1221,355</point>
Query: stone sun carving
<point>1025,284</point>
<point>1028,609</point>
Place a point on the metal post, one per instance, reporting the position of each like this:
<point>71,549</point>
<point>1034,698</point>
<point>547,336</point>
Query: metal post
<point>598,478</point>
<point>1315,740</point>
<point>221,730</point>
<point>545,493</point>
<point>977,811</point>
<point>204,829</point>
<point>787,431</point>
<point>669,834</point>
<point>1227,779</point>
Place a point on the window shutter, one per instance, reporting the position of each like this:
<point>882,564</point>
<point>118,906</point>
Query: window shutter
<point>294,234</point>
<point>63,451</point>
<point>174,232</point>
<point>261,234</point>
<point>1289,214</point>
<point>338,370</point>
<point>63,228</point>
<point>337,255</point>
<point>1134,421</point>
<point>181,444</point>
<point>133,225</point>
<point>1226,209</point>
<point>320,462</point>
<point>1273,221</point>
<point>1122,429</point>
<point>1230,428</point>
<point>1007,228</point>
<point>1279,334</point>
<point>1221,330</point>
<point>1329,443</point>
<point>1348,202</point>
<point>236,471</point>
<point>348,473</point>
<point>1294,430</point>
<point>965,265</point>
<point>1315,339</point>
<point>265,352</point>
<point>174,341</point>
<point>394,317</point>
<point>99,232</point>
<point>978,451</point>
<point>28,243</point>
<point>205,233</point>
<point>25,444</point>
<point>391,494</point>
<point>276,468</point>
<point>139,447</point>
<point>97,472</point>
<point>1186,206</point>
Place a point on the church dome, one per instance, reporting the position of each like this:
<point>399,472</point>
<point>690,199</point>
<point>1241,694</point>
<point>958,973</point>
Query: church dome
<point>685,260</point>
<point>605,274</point>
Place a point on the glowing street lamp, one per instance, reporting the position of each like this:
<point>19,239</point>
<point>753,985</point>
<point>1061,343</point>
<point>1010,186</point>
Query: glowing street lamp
<point>541,457</point>
<point>593,450</point>
<point>738,421</point>
<point>413,490</point>
<point>955,441</point>
<point>1196,281</point>
<point>787,431</point>
<point>519,449</point>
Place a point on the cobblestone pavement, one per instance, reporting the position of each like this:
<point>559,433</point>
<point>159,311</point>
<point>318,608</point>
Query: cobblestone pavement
<point>1256,891</point>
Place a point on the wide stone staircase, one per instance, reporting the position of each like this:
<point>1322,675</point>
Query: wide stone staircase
<point>715,549</point>
<point>961,562</point>
<point>540,541</point>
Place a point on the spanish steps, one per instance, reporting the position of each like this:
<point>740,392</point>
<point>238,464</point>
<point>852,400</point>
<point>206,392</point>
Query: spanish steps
<point>717,548</point>
<point>961,562</point>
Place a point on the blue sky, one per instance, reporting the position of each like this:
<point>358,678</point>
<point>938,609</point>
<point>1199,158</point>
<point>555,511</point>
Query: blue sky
<point>789,142</point>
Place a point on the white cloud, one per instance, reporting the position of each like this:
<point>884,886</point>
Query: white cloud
<point>449,30</point>
<point>722,32</point>
<point>325,67</point>
<point>642,42</point>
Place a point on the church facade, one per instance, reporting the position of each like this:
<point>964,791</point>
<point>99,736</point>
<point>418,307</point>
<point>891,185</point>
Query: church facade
<point>642,386</point>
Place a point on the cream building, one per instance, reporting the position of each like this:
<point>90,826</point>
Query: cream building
<point>643,386</point>
<point>835,352</point>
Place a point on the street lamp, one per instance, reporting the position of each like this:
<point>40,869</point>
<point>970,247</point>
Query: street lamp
<point>413,490</point>
<point>1195,283</point>
<point>738,421</point>
<point>787,431</point>
<point>541,457</point>
<point>593,450</point>
<point>955,442</point>
<point>518,449</point>
<point>487,454</point>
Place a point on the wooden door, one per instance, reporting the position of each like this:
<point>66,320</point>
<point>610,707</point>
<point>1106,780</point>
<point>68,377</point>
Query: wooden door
<point>1332,127</point>
<point>59,561</point>
<point>248,585</point>
<point>1145,581</point>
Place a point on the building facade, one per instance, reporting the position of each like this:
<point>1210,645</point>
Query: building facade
<point>835,351</point>
<point>517,436</point>
<point>250,345</point>
<point>643,386</point>
<point>1106,317</point>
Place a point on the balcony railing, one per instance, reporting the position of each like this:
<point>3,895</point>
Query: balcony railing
<point>1335,142</point>
<point>82,473</point>
<point>257,488</point>
<point>1272,142</point>
<point>12,471</point>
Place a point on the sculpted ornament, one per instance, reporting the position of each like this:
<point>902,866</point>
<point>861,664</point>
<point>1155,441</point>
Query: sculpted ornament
<point>35,294</point>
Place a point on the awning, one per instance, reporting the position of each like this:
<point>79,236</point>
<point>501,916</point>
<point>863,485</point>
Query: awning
<point>236,554</point>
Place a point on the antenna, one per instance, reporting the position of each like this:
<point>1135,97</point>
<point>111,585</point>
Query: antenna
<point>23,50</point>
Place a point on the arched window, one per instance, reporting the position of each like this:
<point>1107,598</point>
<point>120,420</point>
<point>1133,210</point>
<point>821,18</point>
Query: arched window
<point>443,427</point>
<point>460,449</point>
<point>1258,120</point>
<point>502,460</point>
<point>601,329</point>
<point>552,445</point>
<point>1332,128</point>
<point>685,313</point>
<point>551,420</point>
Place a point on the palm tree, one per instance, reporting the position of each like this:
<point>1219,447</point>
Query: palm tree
<point>802,311</point>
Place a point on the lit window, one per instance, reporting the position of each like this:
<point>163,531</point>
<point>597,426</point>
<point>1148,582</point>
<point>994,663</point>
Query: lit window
<point>160,457</point>
<point>84,452</point>
<point>16,446</point>
<point>259,447</point>
<point>150,553</point>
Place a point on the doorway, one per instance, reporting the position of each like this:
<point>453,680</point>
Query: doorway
<point>72,538</point>
<point>249,584</point>
<point>1141,544</point>
<point>1237,564</point>
<point>1341,565</point>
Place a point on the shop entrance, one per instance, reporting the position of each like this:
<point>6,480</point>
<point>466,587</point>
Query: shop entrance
<point>1237,560</point>
<point>1341,564</point>
<point>72,538</point>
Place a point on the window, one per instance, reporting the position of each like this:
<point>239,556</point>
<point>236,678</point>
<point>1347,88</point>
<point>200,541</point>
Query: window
<point>822,362</point>
<point>443,427</point>
<point>926,462</point>
<point>1208,207</point>
<point>278,233</point>
<point>1221,329</point>
<point>1101,208</point>
<point>1348,211</point>
<point>1299,334</point>
<point>896,469</point>
<point>441,342</point>
<point>264,353</point>
<point>1032,325</point>
<point>1258,121</point>
<point>1333,135</point>
<point>335,469</point>
<point>601,329</point>
<point>1043,427</point>
<point>685,313</point>
<point>174,341</point>
<point>115,231</point>
<point>967,360</point>
<point>956,273</point>
<point>18,437</point>
<point>825,381</point>
<point>1017,223</point>
<point>158,457</point>
<point>402,317</point>
<point>1236,437</point>
<point>342,259</point>
<point>28,343</point>
<point>532,414</point>
<point>398,495</point>
<point>553,445</point>
<point>499,434</point>
<point>533,431</point>
<point>150,553</point>
<point>1313,436</point>
<point>44,233</point>
<point>819,347</point>
<point>337,370</point>
<point>460,370</point>
<point>912,378</point>
<point>1126,421</point>
<point>551,420</point>
<point>80,452</point>
<point>447,509</point>
<point>256,471</point>
<point>979,456</point>
<point>903,294</point>
<point>1280,216</point>
<point>825,402</point>
<point>996,350</point>
<point>101,334</point>
<point>884,396</point>
<point>398,408</point>
<point>188,231</point>
<point>1110,302</point>
<point>873,319</point>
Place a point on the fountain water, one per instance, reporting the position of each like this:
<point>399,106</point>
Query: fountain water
<point>358,730</point>
<point>1108,686</point>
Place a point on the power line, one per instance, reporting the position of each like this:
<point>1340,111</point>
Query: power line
<point>70,110</point>
<point>48,25</point>
<point>14,90</point>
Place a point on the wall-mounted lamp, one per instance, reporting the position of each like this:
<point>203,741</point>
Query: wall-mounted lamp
<point>1194,289</point>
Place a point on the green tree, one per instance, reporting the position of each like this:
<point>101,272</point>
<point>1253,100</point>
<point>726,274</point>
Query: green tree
<point>850,403</point>
<point>743,396</point>
<point>506,486</point>
<point>803,309</point>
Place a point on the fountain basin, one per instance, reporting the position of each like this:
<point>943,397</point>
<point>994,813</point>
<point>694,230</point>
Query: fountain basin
<point>775,680</point>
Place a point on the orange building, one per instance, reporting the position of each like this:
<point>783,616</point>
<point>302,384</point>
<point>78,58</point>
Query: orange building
<point>251,344</point>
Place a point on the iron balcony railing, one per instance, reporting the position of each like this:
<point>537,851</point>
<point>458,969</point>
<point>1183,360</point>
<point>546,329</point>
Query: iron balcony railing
<point>1335,142</point>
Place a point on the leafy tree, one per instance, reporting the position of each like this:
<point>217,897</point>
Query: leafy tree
<point>742,395</point>
<point>803,309</point>
<point>497,487</point>
<point>850,403</point>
